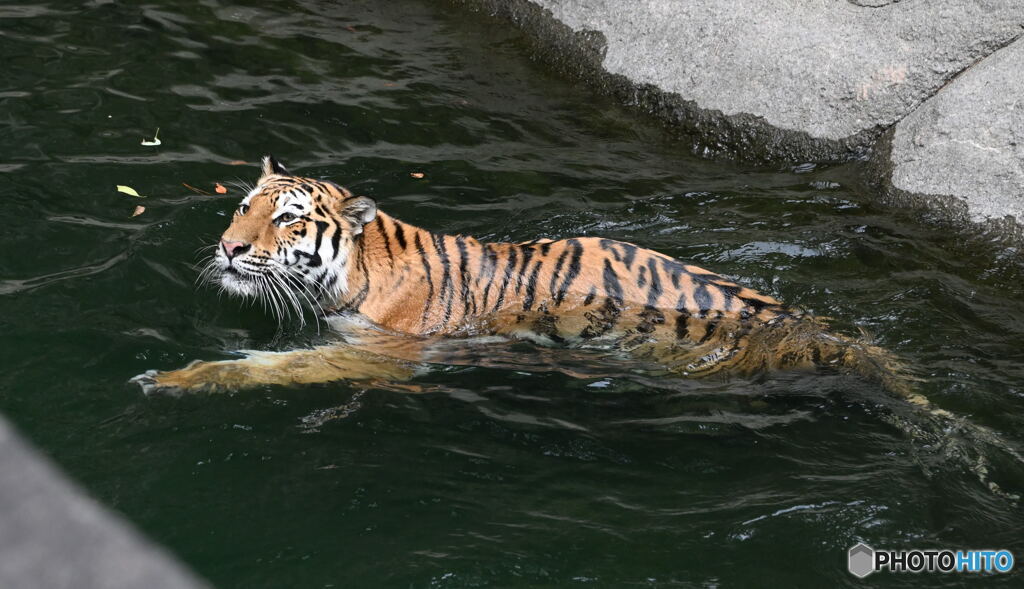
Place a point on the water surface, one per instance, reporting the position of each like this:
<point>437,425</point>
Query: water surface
<point>513,474</point>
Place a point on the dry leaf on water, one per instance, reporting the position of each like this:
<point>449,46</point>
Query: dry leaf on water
<point>195,190</point>
<point>220,189</point>
<point>416,174</point>
<point>237,163</point>
<point>138,211</point>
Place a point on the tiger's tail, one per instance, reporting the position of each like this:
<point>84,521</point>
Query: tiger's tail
<point>935,433</point>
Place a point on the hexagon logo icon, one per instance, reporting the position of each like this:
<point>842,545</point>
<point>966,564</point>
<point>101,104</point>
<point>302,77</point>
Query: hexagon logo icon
<point>860,560</point>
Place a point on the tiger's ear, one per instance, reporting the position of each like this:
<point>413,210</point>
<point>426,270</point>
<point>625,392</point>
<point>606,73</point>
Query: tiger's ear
<point>359,211</point>
<point>270,166</point>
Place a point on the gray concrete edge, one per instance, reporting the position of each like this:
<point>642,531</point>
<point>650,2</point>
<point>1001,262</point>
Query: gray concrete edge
<point>54,535</point>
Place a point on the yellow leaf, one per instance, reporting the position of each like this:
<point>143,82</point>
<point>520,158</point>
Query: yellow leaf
<point>128,190</point>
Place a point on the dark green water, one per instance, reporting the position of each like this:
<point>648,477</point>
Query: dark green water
<point>498,476</point>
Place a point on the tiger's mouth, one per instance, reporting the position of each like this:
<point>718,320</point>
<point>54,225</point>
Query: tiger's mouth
<point>238,282</point>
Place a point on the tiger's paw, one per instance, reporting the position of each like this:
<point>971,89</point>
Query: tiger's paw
<point>151,385</point>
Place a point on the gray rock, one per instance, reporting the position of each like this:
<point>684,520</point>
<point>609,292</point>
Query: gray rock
<point>794,79</point>
<point>53,536</point>
<point>967,142</point>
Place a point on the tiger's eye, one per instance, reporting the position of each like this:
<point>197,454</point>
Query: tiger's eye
<point>286,218</point>
<point>243,209</point>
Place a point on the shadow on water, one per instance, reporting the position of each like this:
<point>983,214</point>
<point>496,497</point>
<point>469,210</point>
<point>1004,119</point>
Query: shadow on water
<point>533,466</point>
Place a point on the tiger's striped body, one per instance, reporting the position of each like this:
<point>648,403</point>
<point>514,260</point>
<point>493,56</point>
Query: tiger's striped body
<point>296,239</point>
<point>574,290</point>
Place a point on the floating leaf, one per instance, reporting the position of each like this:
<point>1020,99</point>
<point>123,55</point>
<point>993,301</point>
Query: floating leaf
<point>237,163</point>
<point>154,141</point>
<point>138,211</point>
<point>128,190</point>
<point>195,190</point>
<point>220,189</point>
<point>416,174</point>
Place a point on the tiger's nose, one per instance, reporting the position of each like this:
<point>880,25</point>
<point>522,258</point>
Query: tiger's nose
<point>234,248</point>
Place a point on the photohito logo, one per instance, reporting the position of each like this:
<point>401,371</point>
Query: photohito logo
<point>862,560</point>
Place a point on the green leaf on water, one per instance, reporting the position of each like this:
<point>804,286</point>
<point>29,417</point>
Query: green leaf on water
<point>128,190</point>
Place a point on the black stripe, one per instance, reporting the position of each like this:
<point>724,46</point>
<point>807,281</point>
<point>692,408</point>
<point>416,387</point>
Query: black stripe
<point>527,254</point>
<point>709,331</point>
<point>545,248</point>
<point>609,246</point>
<point>557,271</point>
<point>655,291</point>
<point>335,242</point>
<point>628,253</point>
<point>728,293</point>
<point>460,243</point>
<point>572,272</point>
<point>489,263</point>
<point>673,269</point>
<point>360,297</point>
<point>400,234</point>
<point>314,258</point>
<point>430,281</point>
<point>681,331</point>
<point>612,287</point>
<point>702,297</point>
<point>508,276</point>
<point>590,296</point>
<point>531,286</point>
<point>447,289</point>
<point>387,242</point>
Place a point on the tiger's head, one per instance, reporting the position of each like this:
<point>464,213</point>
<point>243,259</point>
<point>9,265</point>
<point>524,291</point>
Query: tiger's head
<point>289,241</point>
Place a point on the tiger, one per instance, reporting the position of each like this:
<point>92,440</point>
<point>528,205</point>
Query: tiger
<point>298,243</point>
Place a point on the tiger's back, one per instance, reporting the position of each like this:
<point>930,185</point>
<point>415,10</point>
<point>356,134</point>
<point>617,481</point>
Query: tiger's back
<point>571,290</point>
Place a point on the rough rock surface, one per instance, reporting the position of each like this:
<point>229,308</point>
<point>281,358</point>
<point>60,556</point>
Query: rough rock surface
<point>967,142</point>
<point>53,536</point>
<point>834,74</point>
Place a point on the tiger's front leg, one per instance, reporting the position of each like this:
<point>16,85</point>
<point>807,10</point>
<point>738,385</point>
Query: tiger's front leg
<point>317,365</point>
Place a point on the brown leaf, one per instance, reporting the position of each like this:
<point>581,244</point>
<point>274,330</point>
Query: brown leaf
<point>416,174</point>
<point>138,211</point>
<point>237,163</point>
<point>220,189</point>
<point>195,190</point>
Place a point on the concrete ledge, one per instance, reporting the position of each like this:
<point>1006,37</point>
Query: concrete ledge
<point>53,536</point>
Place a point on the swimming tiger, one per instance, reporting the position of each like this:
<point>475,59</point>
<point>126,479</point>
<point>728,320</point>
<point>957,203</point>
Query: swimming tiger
<point>296,241</point>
